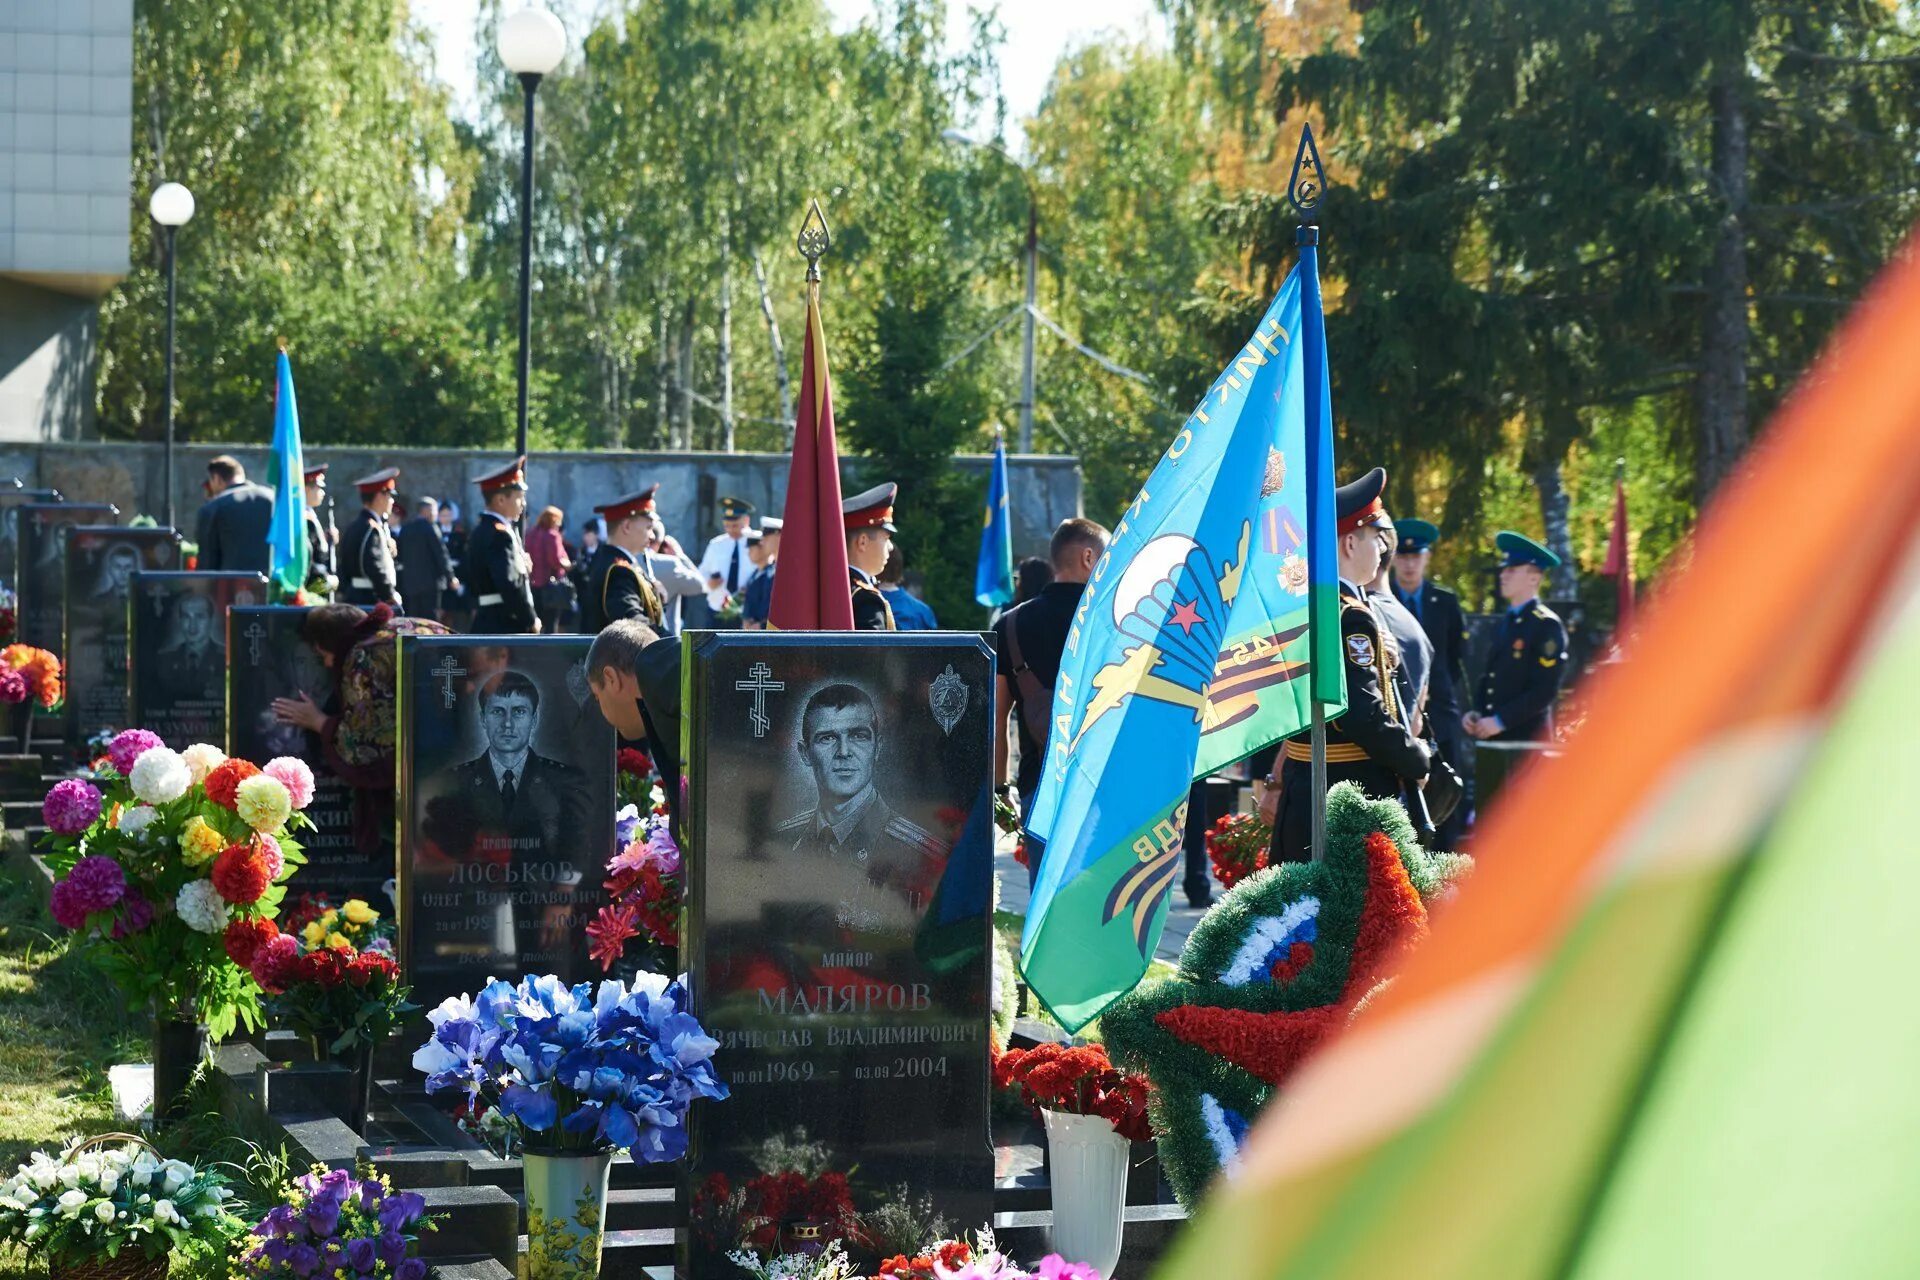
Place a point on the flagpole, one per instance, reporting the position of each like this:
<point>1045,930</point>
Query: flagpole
<point>1304,189</point>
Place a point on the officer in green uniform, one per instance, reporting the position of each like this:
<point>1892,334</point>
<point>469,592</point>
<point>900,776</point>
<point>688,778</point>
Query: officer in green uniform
<point>869,521</point>
<point>619,583</point>
<point>1528,662</point>
<point>1372,743</point>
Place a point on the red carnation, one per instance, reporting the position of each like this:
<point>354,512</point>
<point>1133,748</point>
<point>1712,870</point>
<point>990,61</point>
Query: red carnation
<point>246,937</point>
<point>224,779</point>
<point>634,762</point>
<point>240,873</point>
<point>323,967</point>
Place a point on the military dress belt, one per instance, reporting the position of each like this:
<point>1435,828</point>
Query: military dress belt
<point>487,601</point>
<point>1337,752</point>
<point>364,584</point>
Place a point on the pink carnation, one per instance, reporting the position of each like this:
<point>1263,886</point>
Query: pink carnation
<point>129,745</point>
<point>293,774</point>
<point>65,905</point>
<point>13,686</point>
<point>270,850</point>
<point>71,807</point>
<point>273,963</point>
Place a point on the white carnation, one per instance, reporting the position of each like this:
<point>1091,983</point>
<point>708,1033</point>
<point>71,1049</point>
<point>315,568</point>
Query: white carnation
<point>135,821</point>
<point>201,908</point>
<point>202,758</point>
<point>160,776</point>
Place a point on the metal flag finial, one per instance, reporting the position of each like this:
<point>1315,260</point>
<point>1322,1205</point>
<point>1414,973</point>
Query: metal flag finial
<point>283,345</point>
<point>1309,181</point>
<point>814,240</point>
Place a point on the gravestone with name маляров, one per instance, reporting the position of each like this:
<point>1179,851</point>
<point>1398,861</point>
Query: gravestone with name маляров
<point>840,859</point>
<point>267,659</point>
<point>178,643</point>
<point>11,500</point>
<point>40,572</point>
<point>101,561</point>
<point>505,810</point>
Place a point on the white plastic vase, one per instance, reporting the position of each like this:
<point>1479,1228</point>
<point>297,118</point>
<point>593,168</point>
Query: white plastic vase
<point>1089,1174</point>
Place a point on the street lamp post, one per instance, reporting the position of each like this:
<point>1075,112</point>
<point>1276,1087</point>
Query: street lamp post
<point>171,207</point>
<point>1031,280</point>
<point>531,44</point>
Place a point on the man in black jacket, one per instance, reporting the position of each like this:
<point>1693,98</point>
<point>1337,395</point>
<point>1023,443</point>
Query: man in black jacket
<point>367,574</point>
<point>869,522</point>
<point>619,584</point>
<point>322,550</point>
<point>233,526</point>
<point>1440,616</point>
<point>1529,657</point>
<point>634,673</point>
<point>499,572</point>
<point>1371,743</point>
<point>425,568</point>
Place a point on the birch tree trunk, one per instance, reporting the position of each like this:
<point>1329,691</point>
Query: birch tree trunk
<point>726,333</point>
<point>1721,392</point>
<point>779,348</point>
<point>1555,514</point>
<point>683,380</point>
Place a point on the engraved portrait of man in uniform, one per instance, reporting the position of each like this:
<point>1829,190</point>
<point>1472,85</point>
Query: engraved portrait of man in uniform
<point>850,824</point>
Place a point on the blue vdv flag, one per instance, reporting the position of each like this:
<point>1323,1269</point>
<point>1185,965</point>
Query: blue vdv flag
<point>287,476</point>
<point>993,574</point>
<point>1191,648</point>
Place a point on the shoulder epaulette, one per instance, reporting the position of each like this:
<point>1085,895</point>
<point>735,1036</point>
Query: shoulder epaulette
<point>907,831</point>
<point>796,822</point>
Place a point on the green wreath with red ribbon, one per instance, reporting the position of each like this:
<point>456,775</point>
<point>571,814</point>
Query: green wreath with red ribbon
<point>1277,966</point>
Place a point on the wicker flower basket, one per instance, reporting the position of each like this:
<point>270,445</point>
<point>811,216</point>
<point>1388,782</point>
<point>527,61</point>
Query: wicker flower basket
<point>131,1264</point>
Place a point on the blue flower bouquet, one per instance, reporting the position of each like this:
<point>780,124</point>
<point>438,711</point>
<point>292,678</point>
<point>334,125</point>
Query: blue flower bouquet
<point>577,1069</point>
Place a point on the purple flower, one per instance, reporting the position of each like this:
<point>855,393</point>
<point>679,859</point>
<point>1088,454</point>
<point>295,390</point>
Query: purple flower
<point>71,807</point>
<point>136,913</point>
<point>128,745</point>
<point>392,1247</point>
<point>360,1255</point>
<point>411,1269</point>
<point>98,883</point>
<point>65,906</point>
<point>401,1210</point>
<point>322,1216</point>
<point>304,1260</point>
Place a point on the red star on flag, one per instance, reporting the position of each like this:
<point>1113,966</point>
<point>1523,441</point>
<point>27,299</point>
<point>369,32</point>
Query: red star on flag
<point>1186,616</point>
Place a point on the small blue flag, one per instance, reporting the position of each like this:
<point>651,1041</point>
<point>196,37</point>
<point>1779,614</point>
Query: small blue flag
<point>1194,645</point>
<point>287,475</point>
<point>993,575</point>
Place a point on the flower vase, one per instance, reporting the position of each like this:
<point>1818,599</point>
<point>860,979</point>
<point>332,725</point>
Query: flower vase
<point>353,1097</point>
<point>20,723</point>
<point>178,1046</point>
<point>1088,1168</point>
<point>566,1213</point>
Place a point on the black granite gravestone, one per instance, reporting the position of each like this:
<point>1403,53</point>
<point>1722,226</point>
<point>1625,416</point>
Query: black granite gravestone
<point>101,561</point>
<point>505,810</point>
<point>840,861</point>
<point>178,642</point>
<point>11,500</point>
<point>267,659</point>
<point>40,579</point>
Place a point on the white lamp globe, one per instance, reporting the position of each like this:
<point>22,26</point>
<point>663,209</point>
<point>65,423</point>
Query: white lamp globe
<point>531,42</point>
<point>171,205</point>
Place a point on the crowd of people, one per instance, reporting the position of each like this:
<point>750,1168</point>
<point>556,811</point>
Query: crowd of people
<point>491,577</point>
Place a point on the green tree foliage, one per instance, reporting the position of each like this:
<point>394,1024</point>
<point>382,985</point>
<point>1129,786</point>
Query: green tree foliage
<point>329,179</point>
<point>1562,217</point>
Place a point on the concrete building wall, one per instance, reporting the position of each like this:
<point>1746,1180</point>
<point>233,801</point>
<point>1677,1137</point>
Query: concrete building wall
<point>1045,489</point>
<point>66,140</point>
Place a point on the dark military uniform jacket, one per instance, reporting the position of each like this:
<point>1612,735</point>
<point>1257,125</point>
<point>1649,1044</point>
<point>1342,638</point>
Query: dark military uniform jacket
<point>366,562</point>
<point>619,585</point>
<point>1525,668</point>
<point>1370,744</point>
<point>319,547</point>
<point>1438,610</point>
<point>871,612</point>
<point>499,578</point>
<point>898,863</point>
